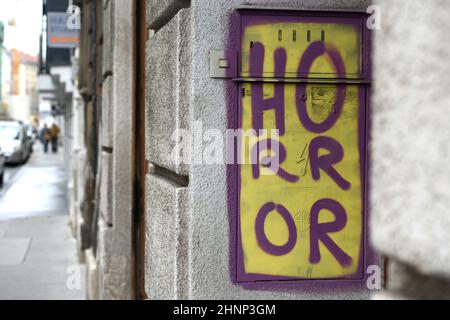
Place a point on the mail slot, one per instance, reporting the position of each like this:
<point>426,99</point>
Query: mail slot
<point>306,76</point>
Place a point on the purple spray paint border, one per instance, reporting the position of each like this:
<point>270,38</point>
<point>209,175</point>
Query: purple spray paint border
<point>367,255</point>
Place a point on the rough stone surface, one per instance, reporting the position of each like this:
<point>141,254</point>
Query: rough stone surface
<point>166,230</point>
<point>122,161</point>
<point>79,199</point>
<point>92,276</point>
<point>72,202</point>
<point>114,237</point>
<point>107,112</point>
<point>79,236</point>
<point>108,35</point>
<point>77,165</point>
<point>106,192</point>
<point>114,264</point>
<point>208,228</point>
<point>405,281</point>
<point>157,8</point>
<point>168,79</point>
<point>410,151</point>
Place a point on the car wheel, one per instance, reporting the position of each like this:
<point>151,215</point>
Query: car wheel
<point>1,179</point>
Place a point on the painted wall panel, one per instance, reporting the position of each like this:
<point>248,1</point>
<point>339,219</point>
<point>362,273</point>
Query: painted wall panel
<point>301,213</point>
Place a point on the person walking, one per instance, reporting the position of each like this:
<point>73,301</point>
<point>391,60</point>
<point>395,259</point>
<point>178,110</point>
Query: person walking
<point>54,133</point>
<point>45,137</point>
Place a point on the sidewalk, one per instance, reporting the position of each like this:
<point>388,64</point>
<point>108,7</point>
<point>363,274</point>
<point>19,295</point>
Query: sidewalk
<point>37,252</point>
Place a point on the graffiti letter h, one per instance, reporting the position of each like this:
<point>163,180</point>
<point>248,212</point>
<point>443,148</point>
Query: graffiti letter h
<point>259,104</point>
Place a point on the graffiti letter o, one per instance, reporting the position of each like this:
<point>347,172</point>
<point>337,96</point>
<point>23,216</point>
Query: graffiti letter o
<point>315,50</point>
<point>261,237</point>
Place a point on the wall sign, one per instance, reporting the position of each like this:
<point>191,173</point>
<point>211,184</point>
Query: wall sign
<point>302,75</point>
<point>59,34</point>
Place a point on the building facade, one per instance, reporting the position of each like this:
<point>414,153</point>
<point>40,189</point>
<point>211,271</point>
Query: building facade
<point>19,89</point>
<point>24,98</point>
<point>162,207</point>
<point>6,79</point>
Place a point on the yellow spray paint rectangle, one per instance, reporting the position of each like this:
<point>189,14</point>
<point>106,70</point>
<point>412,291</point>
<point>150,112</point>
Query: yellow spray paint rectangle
<point>300,196</point>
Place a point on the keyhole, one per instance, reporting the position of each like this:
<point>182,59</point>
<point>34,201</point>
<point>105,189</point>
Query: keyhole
<point>304,97</point>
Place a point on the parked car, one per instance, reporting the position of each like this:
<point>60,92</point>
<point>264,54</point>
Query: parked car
<point>14,142</point>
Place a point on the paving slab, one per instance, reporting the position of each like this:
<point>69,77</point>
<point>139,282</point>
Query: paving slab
<point>13,251</point>
<point>38,259</point>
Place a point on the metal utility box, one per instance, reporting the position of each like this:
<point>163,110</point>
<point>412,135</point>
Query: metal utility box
<point>307,75</point>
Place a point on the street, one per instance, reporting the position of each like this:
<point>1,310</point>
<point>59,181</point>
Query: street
<point>38,254</point>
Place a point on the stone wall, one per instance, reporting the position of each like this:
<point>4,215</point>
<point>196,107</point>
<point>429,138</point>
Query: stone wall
<point>115,224</point>
<point>101,197</point>
<point>410,149</point>
<point>187,226</point>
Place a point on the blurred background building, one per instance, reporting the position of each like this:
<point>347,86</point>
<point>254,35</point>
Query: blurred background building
<point>19,98</point>
<point>24,99</point>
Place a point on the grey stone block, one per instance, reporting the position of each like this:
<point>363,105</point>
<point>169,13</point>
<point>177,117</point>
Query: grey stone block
<point>107,131</point>
<point>114,265</point>
<point>168,86</point>
<point>122,119</point>
<point>410,177</point>
<point>117,279</point>
<point>166,239</point>
<point>163,9</point>
<point>108,36</point>
<point>106,188</point>
<point>407,282</point>
<point>81,162</point>
<point>114,237</point>
<point>71,200</point>
<point>92,276</point>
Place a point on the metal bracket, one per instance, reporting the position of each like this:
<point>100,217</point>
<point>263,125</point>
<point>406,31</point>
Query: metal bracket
<point>223,64</point>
